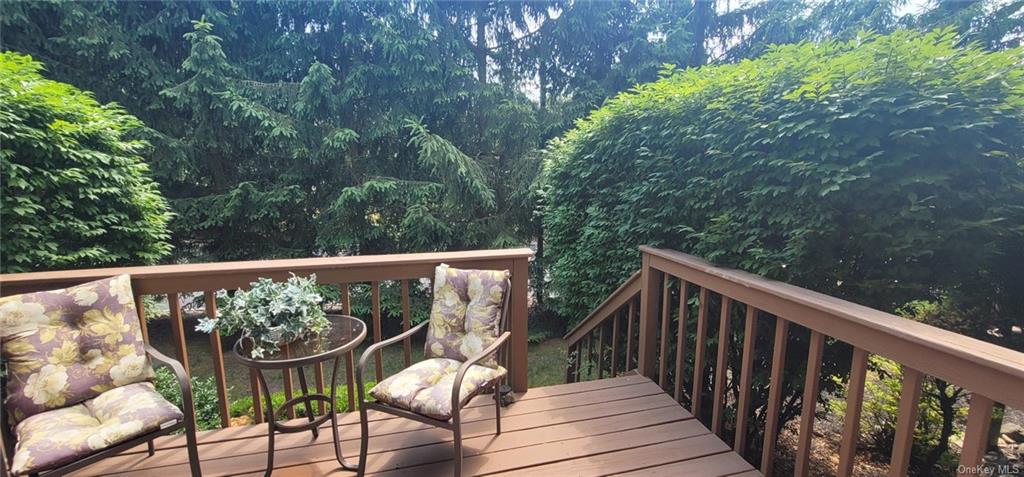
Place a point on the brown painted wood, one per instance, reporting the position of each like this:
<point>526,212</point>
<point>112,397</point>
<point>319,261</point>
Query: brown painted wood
<point>406,324</point>
<point>318,377</point>
<point>967,362</point>
<point>684,296</point>
<point>979,418</point>
<point>715,465</point>
<point>375,311</point>
<point>350,372</point>
<point>746,374</point>
<point>217,354</point>
<point>698,353</point>
<point>615,342</point>
<point>650,284</point>
<point>721,365</point>
<point>600,352</point>
<point>810,402</point>
<point>666,315</point>
<point>140,309</point>
<point>910,396</point>
<point>178,330</point>
<point>851,421</point>
<point>162,279</point>
<point>630,319</point>
<point>519,317</point>
<point>771,425</point>
<point>626,292</point>
<point>571,355</point>
<point>254,390</point>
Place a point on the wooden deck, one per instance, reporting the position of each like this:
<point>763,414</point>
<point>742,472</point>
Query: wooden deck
<point>625,425</point>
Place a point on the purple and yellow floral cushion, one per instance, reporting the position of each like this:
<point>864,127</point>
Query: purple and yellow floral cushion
<point>466,313</point>
<point>53,438</point>
<point>65,346</point>
<point>426,387</point>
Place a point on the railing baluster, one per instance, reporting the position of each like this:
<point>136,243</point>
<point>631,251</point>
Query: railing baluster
<point>746,372</point>
<point>178,329</point>
<point>630,318</point>
<point>666,314</point>
<point>210,303</point>
<point>721,365</point>
<point>698,354</point>
<point>375,311</point>
<point>140,309</point>
<point>615,343</point>
<point>979,418</point>
<point>910,395</point>
<point>771,423</point>
<point>854,403</point>
<point>350,371</point>
<point>811,378</point>
<point>600,351</point>
<point>254,389</point>
<point>684,296</point>
<point>406,323</point>
<point>288,387</point>
<point>570,364</point>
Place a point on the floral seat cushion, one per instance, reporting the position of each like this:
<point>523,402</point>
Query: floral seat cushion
<point>53,438</point>
<point>65,346</point>
<point>426,387</point>
<point>466,313</point>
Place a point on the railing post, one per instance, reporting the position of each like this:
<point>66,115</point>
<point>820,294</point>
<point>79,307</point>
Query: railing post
<point>519,314</point>
<point>650,285</point>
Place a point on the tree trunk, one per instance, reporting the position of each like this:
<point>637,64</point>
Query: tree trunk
<point>481,42</point>
<point>703,13</point>
<point>947,403</point>
<point>542,79</point>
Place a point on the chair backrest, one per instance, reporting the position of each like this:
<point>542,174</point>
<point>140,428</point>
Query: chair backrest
<point>467,314</point>
<point>65,346</point>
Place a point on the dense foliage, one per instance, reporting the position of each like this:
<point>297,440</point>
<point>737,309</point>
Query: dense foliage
<point>76,192</point>
<point>883,170</point>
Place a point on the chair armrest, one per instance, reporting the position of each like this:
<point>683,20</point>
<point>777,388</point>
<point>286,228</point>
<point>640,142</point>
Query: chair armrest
<point>183,380</point>
<point>457,384</point>
<point>376,347</point>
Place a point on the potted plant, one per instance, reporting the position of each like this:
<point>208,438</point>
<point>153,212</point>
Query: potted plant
<point>270,313</point>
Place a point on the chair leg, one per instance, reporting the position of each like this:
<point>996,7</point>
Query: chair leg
<point>364,439</point>
<point>497,407</point>
<point>149,445</point>
<point>193,450</point>
<point>457,457</point>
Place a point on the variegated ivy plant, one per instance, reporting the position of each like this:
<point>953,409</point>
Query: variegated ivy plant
<point>270,313</point>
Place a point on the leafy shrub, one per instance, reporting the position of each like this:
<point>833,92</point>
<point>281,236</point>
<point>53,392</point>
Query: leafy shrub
<point>204,396</point>
<point>76,190</point>
<point>878,170</point>
<point>882,170</point>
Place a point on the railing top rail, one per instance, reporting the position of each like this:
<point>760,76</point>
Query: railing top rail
<point>618,298</point>
<point>229,273</point>
<point>855,324</point>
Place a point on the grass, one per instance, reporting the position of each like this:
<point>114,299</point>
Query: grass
<point>546,359</point>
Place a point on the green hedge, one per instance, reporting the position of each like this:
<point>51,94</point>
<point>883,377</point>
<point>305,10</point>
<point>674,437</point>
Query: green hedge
<point>882,170</point>
<point>76,192</point>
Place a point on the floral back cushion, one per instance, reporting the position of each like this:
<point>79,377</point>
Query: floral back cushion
<point>65,346</point>
<point>466,313</point>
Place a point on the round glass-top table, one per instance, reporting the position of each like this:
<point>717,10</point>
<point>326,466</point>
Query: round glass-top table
<point>345,334</point>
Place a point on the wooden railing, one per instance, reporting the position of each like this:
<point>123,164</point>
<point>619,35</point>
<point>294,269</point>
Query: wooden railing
<point>991,373</point>
<point>174,280</point>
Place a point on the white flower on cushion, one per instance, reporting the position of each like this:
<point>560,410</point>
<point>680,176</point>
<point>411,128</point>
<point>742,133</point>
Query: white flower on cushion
<point>129,369</point>
<point>440,277</point>
<point>471,345</point>
<point>121,288</point>
<point>93,358</point>
<point>476,286</point>
<point>20,318</point>
<point>114,432</point>
<point>47,387</point>
<point>84,296</point>
<point>22,460</point>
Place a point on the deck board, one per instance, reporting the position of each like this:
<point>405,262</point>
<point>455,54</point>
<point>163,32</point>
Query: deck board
<point>602,427</point>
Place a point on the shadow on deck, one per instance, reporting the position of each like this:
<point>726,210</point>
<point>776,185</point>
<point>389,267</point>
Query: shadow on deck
<point>610,426</point>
